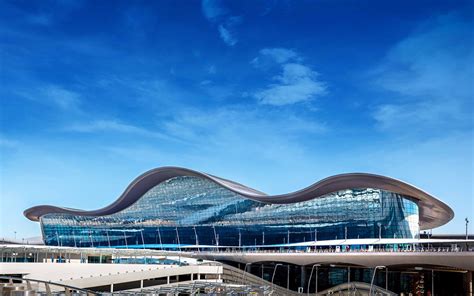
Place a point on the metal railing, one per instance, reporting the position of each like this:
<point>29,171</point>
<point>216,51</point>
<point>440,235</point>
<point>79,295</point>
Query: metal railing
<point>25,285</point>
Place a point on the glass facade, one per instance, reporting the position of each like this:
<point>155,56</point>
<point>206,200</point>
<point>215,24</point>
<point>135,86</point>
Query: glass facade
<point>191,210</point>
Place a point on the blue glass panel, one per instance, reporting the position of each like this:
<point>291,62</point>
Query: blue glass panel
<point>190,210</point>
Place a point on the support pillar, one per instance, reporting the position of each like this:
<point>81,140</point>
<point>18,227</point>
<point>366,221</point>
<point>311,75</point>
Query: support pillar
<point>303,276</point>
<point>468,283</point>
<point>348,280</point>
<point>288,272</point>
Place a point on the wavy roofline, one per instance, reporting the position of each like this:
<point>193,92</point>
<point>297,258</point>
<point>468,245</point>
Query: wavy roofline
<point>432,212</point>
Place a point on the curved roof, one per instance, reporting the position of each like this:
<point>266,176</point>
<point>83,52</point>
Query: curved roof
<point>432,212</point>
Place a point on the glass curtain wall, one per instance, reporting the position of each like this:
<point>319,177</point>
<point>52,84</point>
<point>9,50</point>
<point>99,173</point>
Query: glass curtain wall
<point>191,210</point>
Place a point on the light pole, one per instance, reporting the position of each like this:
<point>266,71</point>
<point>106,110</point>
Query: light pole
<point>74,237</point>
<point>108,238</point>
<point>373,277</point>
<point>380,229</point>
<point>179,246</point>
<point>274,271</point>
<point>90,236</point>
<point>311,275</point>
<point>125,239</point>
<point>159,237</point>
<point>196,236</point>
<point>240,239</point>
<point>467,222</point>
<point>177,239</point>
<point>215,237</point>
<point>143,241</point>
<point>244,272</point>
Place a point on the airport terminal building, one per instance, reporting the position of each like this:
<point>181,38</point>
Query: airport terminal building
<point>349,231</point>
<point>173,207</point>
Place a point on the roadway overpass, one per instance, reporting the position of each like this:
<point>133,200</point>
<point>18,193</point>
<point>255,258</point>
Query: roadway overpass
<point>457,260</point>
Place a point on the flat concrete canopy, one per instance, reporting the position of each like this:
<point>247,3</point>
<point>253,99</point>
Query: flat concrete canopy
<point>456,260</point>
<point>432,212</point>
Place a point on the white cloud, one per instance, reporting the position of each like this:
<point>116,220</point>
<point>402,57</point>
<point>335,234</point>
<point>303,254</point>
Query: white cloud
<point>430,74</point>
<point>296,83</point>
<point>40,19</point>
<point>113,126</point>
<point>226,36</point>
<point>217,14</point>
<point>63,98</point>
<point>280,55</point>
<point>55,95</point>
<point>212,9</point>
<point>8,143</point>
<point>211,69</point>
<point>242,132</point>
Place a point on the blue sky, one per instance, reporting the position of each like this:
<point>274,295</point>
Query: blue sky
<point>273,94</point>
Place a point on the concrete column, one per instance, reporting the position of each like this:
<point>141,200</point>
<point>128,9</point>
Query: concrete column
<point>468,283</point>
<point>141,284</point>
<point>303,277</point>
<point>111,288</point>
<point>288,270</point>
<point>168,280</point>
<point>348,280</point>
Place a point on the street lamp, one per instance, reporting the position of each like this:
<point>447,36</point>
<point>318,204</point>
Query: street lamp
<point>159,237</point>
<point>467,222</point>
<point>274,271</point>
<point>106,232</point>
<point>125,239</point>
<point>240,239</point>
<point>215,237</point>
<point>196,237</point>
<point>373,277</point>
<point>90,236</point>
<point>311,275</point>
<point>380,229</point>
<point>244,272</point>
<point>143,241</point>
<point>177,239</point>
<point>57,238</point>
